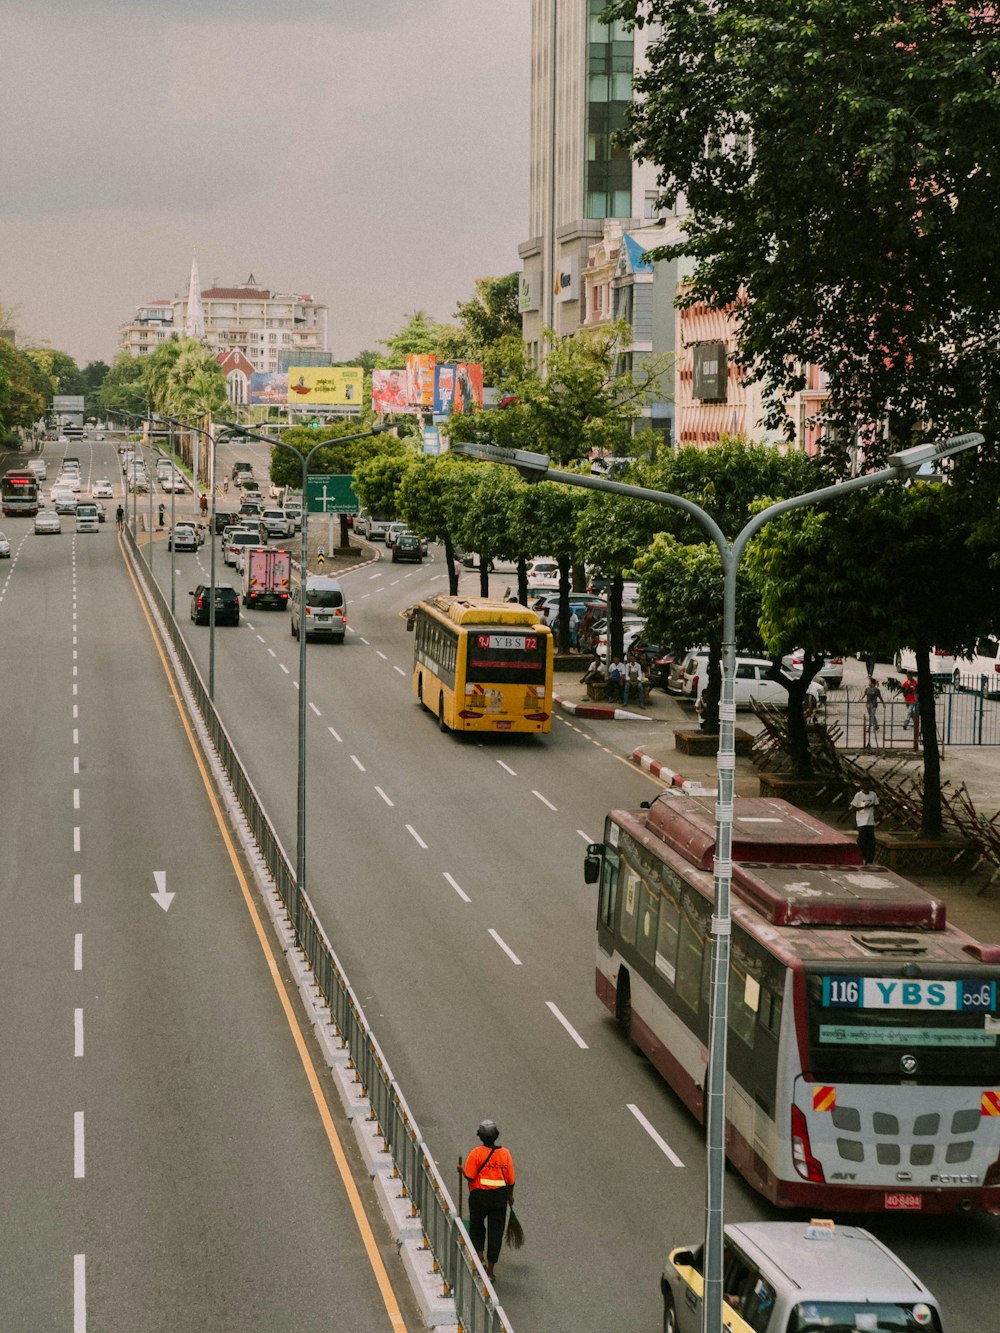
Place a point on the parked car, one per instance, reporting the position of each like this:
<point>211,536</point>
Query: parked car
<point>800,1276</point>
<point>183,538</point>
<point>102,490</point>
<point>831,673</point>
<point>498,564</point>
<point>407,547</point>
<point>751,681</point>
<point>944,663</point>
<point>45,523</point>
<point>4,547</point>
<point>601,584</point>
<point>227,604</point>
<point>632,630</point>
<point>543,572</point>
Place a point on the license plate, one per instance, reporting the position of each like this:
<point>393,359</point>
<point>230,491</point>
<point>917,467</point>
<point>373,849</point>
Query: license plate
<point>503,726</point>
<point>900,1200</point>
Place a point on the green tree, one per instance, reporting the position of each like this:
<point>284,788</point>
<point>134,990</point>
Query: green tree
<point>418,336</point>
<point>59,368</point>
<point>612,532</point>
<point>124,387</point>
<point>838,166</point>
<point>25,392</point>
<point>921,580</point>
<point>157,368</point>
<point>431,494</point>
<point>485,321</point>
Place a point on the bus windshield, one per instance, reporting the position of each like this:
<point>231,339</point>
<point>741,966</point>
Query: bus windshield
<point>512,657</point>
<point>944,1027</point>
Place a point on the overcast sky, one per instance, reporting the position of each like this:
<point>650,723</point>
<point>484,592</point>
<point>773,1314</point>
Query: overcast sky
<point>371,153</point>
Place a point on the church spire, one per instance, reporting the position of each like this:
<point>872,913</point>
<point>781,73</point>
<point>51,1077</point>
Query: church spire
<point>194,322</point>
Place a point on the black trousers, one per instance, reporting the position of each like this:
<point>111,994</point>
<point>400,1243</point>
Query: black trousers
<point>866,841</point>
<point>487,1215</point>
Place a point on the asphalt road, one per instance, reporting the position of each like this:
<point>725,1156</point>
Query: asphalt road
<point>449,874</point>
<point>164,1164</point>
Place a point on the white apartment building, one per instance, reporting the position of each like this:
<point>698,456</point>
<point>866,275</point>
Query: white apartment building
<point>247,318</point>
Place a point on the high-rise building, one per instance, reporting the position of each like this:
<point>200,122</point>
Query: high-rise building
<point>581,86</point>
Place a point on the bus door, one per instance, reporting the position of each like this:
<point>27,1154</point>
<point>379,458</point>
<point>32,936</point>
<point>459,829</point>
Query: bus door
<point>607,902</point>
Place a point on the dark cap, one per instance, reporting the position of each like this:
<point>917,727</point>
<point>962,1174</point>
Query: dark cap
<point>488,1131</point>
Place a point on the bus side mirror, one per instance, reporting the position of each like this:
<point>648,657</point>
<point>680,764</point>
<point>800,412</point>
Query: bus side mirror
<point>591,868</point>
<point>411,619</point>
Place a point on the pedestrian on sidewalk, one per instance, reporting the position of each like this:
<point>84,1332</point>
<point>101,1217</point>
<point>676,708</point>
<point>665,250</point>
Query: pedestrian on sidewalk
<point>864,804</point>
<point>909,689</point>
<point>489,1169</point>
<point>633,677</point>
<point>873,699</point>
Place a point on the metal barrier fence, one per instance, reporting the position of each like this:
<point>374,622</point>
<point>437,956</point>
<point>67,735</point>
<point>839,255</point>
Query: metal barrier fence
<point>444,1235</point>
<point>966,712</point>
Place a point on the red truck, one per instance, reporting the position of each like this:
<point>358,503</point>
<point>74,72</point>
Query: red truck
<point>266,572</point>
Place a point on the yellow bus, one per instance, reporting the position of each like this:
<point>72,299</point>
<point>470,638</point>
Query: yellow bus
<point>482,665</point>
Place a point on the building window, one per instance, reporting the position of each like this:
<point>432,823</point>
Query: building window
<point>610,66</point>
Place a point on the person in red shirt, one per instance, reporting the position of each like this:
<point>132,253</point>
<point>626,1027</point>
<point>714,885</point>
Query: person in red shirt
<point>489,1169</point>
<point>909,688</point>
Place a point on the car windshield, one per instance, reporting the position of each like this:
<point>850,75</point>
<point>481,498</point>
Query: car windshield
<point>851,1316</point>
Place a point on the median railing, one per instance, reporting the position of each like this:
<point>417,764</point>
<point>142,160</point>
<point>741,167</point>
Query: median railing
<point>461,1278</point>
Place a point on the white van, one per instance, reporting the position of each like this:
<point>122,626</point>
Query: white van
<point>87,517</point>
<point>326,609</point>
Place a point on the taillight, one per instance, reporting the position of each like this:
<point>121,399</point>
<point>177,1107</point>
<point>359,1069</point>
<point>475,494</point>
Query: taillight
<point>805,1163</point>
<point>694,684</point>
<point>992,1176</point>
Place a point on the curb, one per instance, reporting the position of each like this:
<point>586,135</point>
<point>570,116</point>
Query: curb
<point>599,711</point>
<point>673,779</point>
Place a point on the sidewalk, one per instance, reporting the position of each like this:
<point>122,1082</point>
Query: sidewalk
<point>651,747</point>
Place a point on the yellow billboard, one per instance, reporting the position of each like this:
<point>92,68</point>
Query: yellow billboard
<point>329,386</point>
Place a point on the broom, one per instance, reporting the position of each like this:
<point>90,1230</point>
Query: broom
<point>514,1235</point>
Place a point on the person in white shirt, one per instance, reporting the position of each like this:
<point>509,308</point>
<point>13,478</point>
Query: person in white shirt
<point>633,677</point>
<point>864,805</point>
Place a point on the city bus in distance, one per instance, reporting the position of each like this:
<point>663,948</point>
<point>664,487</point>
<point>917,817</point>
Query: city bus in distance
<point>863,1063</point>
<point>482,665</point>
<point>19,492</point>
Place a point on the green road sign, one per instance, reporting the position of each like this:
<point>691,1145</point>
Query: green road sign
<point>332,495</point>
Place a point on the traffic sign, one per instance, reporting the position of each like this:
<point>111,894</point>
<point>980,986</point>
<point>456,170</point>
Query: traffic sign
<point>331,494</point>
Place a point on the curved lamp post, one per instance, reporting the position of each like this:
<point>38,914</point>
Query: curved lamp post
<point>210,437</point>
<point>304,458</point>
<point>536,467</point>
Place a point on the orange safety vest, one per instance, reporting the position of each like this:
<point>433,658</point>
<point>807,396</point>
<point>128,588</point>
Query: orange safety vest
<point>492,1174</point>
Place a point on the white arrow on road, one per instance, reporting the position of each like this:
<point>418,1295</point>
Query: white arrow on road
<point>161,895</point>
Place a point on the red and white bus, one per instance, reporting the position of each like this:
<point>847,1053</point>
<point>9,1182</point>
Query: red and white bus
<point>863,1068</point>
<point>19,492</point>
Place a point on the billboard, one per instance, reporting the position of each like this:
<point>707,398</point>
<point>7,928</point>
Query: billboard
<point>709,372</point>
<point>389,391</point>
<point>458,387</point>
<point>420,379</point>
<point>268,387</point>
<point>328,386</point>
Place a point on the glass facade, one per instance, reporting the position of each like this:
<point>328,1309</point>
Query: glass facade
<point>609,91</point>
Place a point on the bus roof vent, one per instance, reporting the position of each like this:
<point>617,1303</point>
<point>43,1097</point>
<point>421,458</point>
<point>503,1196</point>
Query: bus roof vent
<point>983,953</point>
<point>894,945</point>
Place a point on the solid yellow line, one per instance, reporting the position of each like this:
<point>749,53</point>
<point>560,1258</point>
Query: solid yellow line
<point>396,1320</point>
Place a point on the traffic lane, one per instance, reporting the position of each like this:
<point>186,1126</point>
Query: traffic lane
<point>113,960</point>
<point>386,880</point>
<point>364,719</point>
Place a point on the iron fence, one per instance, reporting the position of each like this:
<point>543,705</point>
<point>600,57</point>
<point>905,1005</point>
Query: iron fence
<point>444,1235</point>
<point>966,712</point>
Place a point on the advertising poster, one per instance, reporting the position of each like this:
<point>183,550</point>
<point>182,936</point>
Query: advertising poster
<point>444,390</point>
<point>268,387</point>
<point>420,379</point>
<point>432,440</point>
<point>326,386</point>
<point>468,386</point>
<point>389,391</point>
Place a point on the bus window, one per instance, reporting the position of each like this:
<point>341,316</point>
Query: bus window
<point>666,940</point>
<point>647,923</point>
<point>744,997</point>
<point>691,953</point>
<point>630,905</point>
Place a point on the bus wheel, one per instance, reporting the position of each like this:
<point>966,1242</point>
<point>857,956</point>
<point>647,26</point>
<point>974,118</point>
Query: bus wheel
<point>441,723</point>
<point>669,1312</point>
<point>623,1003</point>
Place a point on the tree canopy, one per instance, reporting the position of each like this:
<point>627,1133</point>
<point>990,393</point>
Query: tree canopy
<point>838,164</point>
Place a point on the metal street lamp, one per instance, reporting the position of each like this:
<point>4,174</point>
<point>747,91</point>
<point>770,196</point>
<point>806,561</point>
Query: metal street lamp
<point>209,435</point>
<point>536,467</point>
<point>300,835</point>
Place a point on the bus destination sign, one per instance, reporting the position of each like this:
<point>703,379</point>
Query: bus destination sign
<point>970,997</point>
